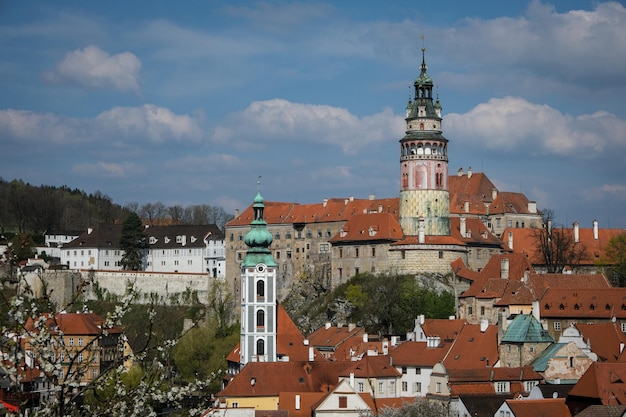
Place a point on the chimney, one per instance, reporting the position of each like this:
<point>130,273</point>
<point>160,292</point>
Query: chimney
<point>327,325</point>
<point>460,173</point>
<point>532,207</point>
<point>484,325</point>
<point>365,337</point>
<point>297,401</point>
<point>311,354</point>
<point>421,319</point>
<point>504,268</point>
<point>324,202</point>
<point>236,213</point>
<point>595,230</point>
<point>380,208</point>
<point>463,226</point>
<point>494,194</point>
<point>469,172</point>
<point>510,240</point>
<point>351,326</point>
<point>89,230</point>
<point>466,207</point>
<point>536,312</point>
<point>372,196</point>
<point>576,232</point>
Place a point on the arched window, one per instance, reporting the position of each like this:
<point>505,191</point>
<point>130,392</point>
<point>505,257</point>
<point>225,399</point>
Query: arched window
<point>260,347</point>
<point>260,289</point>
<point>260,318</point>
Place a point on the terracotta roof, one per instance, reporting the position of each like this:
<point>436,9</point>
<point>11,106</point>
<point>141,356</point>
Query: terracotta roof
<point>334,210</point>
<point>289,339</point>
<point>418,354</point>
<point>330,337</point>
<point>598,303</point>
<point>603,382</point>
<point>287,401</point>
<point>447,330</point>
<point>553,407</point>
<point>356,347</point>
<point>525,242</point>
<point>603,411</point>
<point>483,405</point>
<point>476,189</point>
<point>484,374</point>
<point>489,282</point>
<point>473,348</point>
<point>269,379</point>
<point>87,324</point>
<point>604,339</point>
<point>508,202</point>
<point>475,232</point>
<point>378,366</point>
<point>369,227</point>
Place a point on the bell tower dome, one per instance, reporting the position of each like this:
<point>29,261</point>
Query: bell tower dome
<point>424,196</point>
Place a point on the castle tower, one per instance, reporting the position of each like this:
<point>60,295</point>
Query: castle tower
<point>258,292</point>
<point>424,197</point>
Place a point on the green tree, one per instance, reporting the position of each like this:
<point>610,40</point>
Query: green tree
<point>221,304</point>
<point>133,242</point>
<point>615,260</point>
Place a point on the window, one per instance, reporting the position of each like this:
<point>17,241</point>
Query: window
<point>623,325</point>
<point>260,347</point>
<point>324,247</point>
<point>340,271</point>
<point>502,386</point>
<point>530,385</point>
<point>288,254</point>
<point>557,326</point>
<point>361,387</point>
<point>260,318</point>
<point>341,252</point>
<point>277,254</point>
<point>260,289</point>
<point>440,254</point>
<point>319,232</point>
<point>80,357</point>
<point>470,310</point>
<point>71,341</point>
<point>381,387</point>
<point>343,401</point>
<point>373,252</point>
<point>405,386</point>
<point>235,405</point>
<point>571,361</point>
<point>240,237</point>
<point>356,252</point>
<point>277,236</point>
<point>392,387</point>
<point>80,341</point>
<point>404,370</point>
<point>288,235</point>
<point>438,387</point>
<point>482,310</point>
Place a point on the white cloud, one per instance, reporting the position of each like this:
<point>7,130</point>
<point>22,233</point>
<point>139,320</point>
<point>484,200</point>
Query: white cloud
<point>281,120</point>
<point>103,169</point>
<point>513,123</point>
<point>213,162</point>
<point>144,123</point>
<point>618,190</point>
<point>157,124</point>
<point>93,67</point>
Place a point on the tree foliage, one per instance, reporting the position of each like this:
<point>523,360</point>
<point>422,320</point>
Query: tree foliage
<point>420,407</point>
<point>132,243</point>
<point>615,260</point>
<point>383,304</point>
<point>140,382</point>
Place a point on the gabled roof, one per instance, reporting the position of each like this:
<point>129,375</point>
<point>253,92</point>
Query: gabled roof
<point>541,362</point>
<point>269,379</point>
<point>603,411</point>
<point>605,340</point>
<point>418,354</point>
<point>604,382</point>
<point>489,283</point>
<point>598,303</point>
<point>76,324</point>
<point>378,366</point>
<point>474,188</point>
<point>289,339</point>
<point>473,348</point>
<point>287,402</point>
<point>476,233</point>
<point>526,329</point>
<point>553,407</point>
<point>447,330</point>
<point>329,337</point>
<point>482,405</point>
<point>482,380</point>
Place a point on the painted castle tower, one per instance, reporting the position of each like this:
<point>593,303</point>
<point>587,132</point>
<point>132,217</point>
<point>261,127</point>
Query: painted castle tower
<point>424,197</point>
<point>258,292</point>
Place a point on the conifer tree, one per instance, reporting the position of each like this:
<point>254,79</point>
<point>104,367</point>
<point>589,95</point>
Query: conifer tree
<point>133,242</point>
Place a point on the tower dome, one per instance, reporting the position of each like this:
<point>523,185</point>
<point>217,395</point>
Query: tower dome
<point>258,239</point>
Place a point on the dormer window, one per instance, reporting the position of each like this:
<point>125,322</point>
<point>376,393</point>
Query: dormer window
<point>153,240</point>
<point>167,239</point>
<point>179,239</point>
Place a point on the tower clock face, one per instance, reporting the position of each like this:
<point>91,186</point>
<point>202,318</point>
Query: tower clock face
<point>260,268</point>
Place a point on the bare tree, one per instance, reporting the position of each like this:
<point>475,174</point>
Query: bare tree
<point>557,247</point>
<point>176,213</point>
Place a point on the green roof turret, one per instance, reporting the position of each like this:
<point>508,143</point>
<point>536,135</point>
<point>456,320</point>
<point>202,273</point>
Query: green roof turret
<point>258,239</point>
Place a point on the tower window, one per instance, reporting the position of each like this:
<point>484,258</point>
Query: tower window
<point>260,318</point>
<point>260,347</point>
<point>260,289</point>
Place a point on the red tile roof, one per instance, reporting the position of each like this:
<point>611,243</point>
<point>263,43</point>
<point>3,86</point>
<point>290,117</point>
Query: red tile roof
<point>603,382</point>
<point>553,407</point>
<point>447,330</point>
<point>417,354</point>
<point>369,227</point>
<point>473,348</point>
<point>605,339</point>
<point>378,366</point>
<point>87,324</point>
<point>598,303</point>
<point>332,336</point>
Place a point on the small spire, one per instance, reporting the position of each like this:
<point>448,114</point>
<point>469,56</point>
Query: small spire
<point>258,184</point>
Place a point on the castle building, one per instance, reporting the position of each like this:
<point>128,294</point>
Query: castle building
<point>258,292</point>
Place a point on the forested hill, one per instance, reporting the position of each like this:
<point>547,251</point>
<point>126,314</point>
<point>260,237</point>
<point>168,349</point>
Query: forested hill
<point>36,209</point>
<point>26,208</point>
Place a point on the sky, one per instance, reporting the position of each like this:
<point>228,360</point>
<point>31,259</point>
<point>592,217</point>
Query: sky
<point>190,102</point>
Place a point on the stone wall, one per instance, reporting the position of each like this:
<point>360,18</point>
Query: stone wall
<point>63,286</point>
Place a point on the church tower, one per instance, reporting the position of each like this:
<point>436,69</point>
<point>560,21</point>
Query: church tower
<point>424,197</point>
<point>258,292</point>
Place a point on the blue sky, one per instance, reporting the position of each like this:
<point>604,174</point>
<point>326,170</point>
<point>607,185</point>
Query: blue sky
<point>188,103</point>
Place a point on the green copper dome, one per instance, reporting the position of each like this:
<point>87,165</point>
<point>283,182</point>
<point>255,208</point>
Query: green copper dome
<point>258,239</point>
